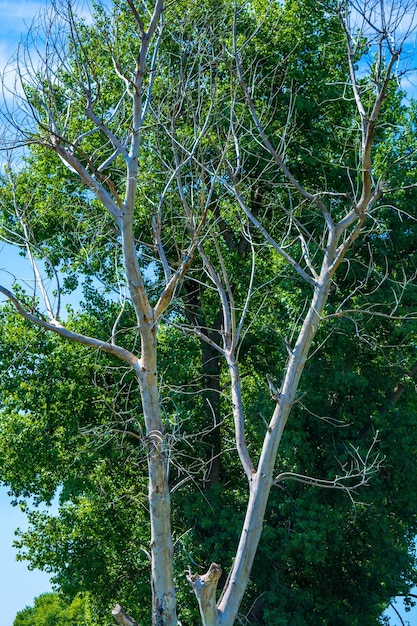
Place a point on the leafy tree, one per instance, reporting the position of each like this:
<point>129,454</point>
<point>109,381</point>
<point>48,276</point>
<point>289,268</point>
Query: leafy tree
<point>49,609</point>
<point>254,223</point>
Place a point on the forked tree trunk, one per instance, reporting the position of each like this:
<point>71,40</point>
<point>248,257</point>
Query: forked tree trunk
<point>54,118</point>
<point>262,480</point>
<point>205,588</point>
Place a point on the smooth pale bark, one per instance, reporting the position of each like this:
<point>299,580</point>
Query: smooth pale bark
<point>163,591</point>
<point>238,416</point>
<point>122,207</point>
<point>122,617</point>
<point>205,587</point>
<point>262,480</point>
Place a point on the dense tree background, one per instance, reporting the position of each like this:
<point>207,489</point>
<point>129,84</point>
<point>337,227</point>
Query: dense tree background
<point>70,420</point>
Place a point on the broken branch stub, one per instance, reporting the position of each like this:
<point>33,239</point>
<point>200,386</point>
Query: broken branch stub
<point>122,617</point>
<point>205,588</point>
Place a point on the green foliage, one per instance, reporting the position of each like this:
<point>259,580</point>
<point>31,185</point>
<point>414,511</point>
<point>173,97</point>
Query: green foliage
<point>71,420</point>
<point>50,609</point>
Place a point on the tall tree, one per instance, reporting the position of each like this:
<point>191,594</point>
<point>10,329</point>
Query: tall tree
<point>190,165</point>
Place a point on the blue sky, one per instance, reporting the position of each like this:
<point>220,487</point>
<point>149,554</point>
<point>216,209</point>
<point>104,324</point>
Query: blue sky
<point>19,586</point>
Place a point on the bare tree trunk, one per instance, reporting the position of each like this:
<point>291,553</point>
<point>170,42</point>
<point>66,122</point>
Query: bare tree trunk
<point>163,591</point>
<point>122,617</point>
<point>57,120</point>
<point>262,480</point>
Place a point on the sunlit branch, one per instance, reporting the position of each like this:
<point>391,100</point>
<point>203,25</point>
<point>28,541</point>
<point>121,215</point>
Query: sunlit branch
<point>271,240</point>
<point>268,145</point>
<point>249,288</point>
<point>238,415</point>
<point>57,328</point>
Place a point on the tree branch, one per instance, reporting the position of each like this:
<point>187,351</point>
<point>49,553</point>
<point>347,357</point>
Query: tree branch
<point>122,617</point>
<point>55,327</point>
<point>205,588</point>
<point>359,472</point>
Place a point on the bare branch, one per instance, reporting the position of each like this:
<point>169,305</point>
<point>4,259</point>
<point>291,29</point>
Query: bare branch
<point>356,474</point>
<point>268,145</point>
<point>270,239</point>
<point>57,328</point>
<point>238,415</point>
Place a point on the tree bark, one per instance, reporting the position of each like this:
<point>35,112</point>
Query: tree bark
<point>122,617</point>
<point>261,481</point>
<point>210,365</point>
<point>205,587</point>
<point>210,368</point>
<point>163,591</point>
<point>394,396</point>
